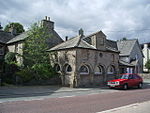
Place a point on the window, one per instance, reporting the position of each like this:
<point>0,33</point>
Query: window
<point>84,69</point>
<point>111,70</point>
<point>100,54</point>
<point>16,48</point>
<point>68,68</point>
<point>57,67</point>
<point>1,50</point>
<point>113,57</point>
<point>98,70</point>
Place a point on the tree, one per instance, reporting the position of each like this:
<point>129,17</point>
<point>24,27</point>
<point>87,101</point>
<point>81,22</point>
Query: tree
<point>147,65</point>
<point>19,27</point>
<point>36,59</point>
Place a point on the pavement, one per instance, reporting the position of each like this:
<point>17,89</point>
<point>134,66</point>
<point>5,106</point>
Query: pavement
<point>132,108</point>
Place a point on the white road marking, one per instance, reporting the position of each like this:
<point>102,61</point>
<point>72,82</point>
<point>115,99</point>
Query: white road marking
<point>135,105</point>
<point>67,96</point>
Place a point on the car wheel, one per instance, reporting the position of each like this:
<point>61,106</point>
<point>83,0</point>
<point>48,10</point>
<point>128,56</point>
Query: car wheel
<point>140,85</point>
<point>125,86</point>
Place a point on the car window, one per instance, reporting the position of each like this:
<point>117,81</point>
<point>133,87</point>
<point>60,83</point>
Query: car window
<point>137,77</point>
<point>130,76</point>
<point>124,76</point>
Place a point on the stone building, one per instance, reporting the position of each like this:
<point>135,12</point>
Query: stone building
<point>4,38</point>
<point>86,60</point>
<point>146,52</point>
<point>16,44</point>
<point>131,56</point>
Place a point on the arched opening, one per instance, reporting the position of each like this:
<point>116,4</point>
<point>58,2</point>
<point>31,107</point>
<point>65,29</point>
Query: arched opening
<point>68,68</point>
<point>99,70</point>
<point>57,67</point>
<point>84,69</point>
<point>111,70</point>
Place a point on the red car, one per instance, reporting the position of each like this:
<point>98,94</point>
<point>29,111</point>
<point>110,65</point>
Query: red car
<point>126,80</point>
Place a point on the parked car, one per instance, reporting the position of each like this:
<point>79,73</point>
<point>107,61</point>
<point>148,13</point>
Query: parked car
<point>126,80</point>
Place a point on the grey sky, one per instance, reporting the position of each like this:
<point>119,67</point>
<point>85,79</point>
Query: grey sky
<point>116,18</point>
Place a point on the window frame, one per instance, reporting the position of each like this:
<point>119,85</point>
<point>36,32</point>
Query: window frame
<point>84,73</point>
<point>66,68</point>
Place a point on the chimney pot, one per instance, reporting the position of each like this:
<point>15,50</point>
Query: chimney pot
<point>45,17</point>
<point>81,32</point>
<point>66,38</point>
<point>48,18</point>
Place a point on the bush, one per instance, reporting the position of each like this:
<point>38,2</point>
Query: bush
<point>37,72</point>
<point>10,58</point>
<point>25,74</point>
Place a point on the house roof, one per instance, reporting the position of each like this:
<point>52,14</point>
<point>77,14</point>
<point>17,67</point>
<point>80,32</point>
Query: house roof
<point>78,42</point>
<point>123,63</point>
<point>5,36</point>
<point>125,46</point>
<point>20,37</point>
<point>72,43</point>
<point>111,44</point>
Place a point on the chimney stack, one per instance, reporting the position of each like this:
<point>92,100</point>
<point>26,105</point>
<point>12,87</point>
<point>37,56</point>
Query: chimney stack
<point>47,23</point>
<point>81,32</point>
<point>66,38</point>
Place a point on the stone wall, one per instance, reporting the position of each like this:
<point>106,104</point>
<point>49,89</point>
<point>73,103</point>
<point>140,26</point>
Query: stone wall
<point>93,59</point>
<point>145,75</point>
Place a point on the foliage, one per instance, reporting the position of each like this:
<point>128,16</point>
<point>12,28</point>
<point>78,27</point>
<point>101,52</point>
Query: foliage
<point>36,59</point>
<point>19,27</point>
<point>124,38</point>
<point>10,58</point>
<point>147,65</point>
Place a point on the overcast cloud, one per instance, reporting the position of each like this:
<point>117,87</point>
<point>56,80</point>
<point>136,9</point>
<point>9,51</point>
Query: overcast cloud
<point>116,18</point>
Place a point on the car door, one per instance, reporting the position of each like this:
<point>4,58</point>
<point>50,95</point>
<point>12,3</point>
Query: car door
<point>130,81</point>
<point>137,80</point>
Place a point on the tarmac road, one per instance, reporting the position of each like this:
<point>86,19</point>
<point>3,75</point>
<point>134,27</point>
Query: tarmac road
<point>86,101</point>
<point>90,103</point>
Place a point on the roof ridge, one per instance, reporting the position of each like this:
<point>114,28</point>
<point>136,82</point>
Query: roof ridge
<point>79,40</point>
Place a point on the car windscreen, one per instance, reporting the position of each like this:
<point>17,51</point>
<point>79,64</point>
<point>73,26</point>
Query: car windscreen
<point>124,76</point>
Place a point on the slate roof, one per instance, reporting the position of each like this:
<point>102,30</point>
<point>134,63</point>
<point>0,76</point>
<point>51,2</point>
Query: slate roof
<point>112,44</point>
<point>125,46</point>
<point>123,63</point>
<point>20,37</point>
<point>72,43</point>
<point>5,36</point>
<point>81,43</point>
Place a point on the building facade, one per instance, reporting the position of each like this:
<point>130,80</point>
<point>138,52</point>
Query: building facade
<point>16,44</point>
<point>131,56</point>
<point>146,52</point>
<point>85,61</point>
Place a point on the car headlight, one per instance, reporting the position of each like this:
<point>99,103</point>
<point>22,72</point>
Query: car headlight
<point>117,83</point>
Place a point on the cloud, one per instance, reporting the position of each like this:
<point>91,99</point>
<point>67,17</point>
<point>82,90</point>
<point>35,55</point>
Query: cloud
<point>117,19</point>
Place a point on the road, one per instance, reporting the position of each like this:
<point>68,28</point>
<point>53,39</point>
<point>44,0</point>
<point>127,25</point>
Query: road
<point>91,101</point>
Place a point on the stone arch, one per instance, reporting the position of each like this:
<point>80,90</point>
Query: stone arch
<point>111,69</point>
<point>67,68</point>
<point>100,69</point>
<point>87,66</point>
<point>57,67</point>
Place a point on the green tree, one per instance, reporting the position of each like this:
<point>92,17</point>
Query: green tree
<point>147,65</point>
<point>36,59</point>
<point>19,27</point>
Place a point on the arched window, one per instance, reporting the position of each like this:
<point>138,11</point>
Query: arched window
<point>111,70</point>
<point>84,69</point>
<point>57,67</point>
<point>113,57</point>
<point>99,70</point>
<point>68,68</point>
